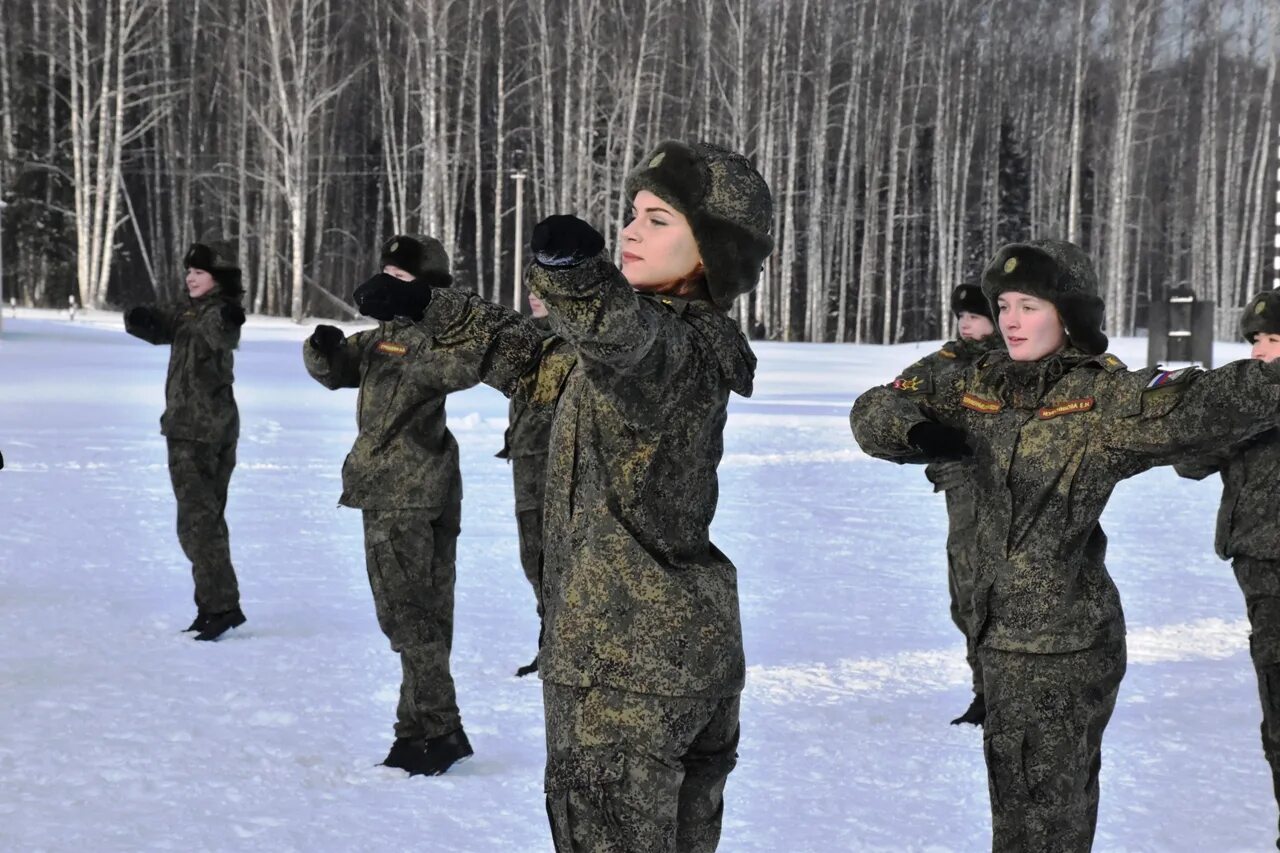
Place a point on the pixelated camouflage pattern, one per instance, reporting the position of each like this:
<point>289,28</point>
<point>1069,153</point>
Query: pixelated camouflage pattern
<point>199,403</point>
<point>411,556</point>
<point>525,444</point>
<point>200,473</point>
<point>1249,515</point>
<point>628,772</point>
<point>1051,440</point>
<point>404,456</point>
<point>955,480</point>
<point>1042,741</point>
<point>635,595</point>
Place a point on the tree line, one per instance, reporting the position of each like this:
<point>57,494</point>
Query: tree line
<point>903,141</point>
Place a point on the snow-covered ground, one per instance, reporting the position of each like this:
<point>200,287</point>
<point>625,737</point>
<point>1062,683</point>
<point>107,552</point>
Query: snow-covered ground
<point>119,733</point>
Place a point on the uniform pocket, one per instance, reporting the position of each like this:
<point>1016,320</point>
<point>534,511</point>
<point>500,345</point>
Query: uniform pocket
<point>583,790</point>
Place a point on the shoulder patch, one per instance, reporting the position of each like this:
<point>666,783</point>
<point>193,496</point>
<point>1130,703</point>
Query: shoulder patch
<point>389,348</point>
<point>1112,364</point>
<point>981,404</point>
<point>189,314</point>
<point>1067,407</point>
<point>1170,377</point>
<point>946,353</point>
<point>910,384</point>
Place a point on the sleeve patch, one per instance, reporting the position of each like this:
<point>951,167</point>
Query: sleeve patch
<point>1169,377</point>
<point>946,353</point>
<point>389,348</point>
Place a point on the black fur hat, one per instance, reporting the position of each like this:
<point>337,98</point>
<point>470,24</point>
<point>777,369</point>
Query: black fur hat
<point>727,203</point>
<point>1059,272</point>
<point>219,259</point>
<point>1261,316</point>
<point>969,297</point>
<point>421,256</point>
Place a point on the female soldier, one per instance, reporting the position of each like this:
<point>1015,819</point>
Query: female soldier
<point>641,653</point>
<point>1249,528</point>
<point>403,474</point>
<point>1053,425</point>
<point>201,423</point>
<point>977,336</point>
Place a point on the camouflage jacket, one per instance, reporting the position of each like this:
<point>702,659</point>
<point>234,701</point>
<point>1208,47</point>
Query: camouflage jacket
<point>956,478</point>
<point>529,434</point>
<point>1051,439</point>
<point>198,402</point>
<point>636,596</point>
<point>1249,516</point>
<point>404,455</point>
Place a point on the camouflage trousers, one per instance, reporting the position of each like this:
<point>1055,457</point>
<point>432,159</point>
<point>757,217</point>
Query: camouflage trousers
<point>961,573</point>
<point>200,472</point>
<point>1260,582</point>
<point>530,476</point>
<point>410,557</point>
<point>1043,744</point>
<point>635,773</point>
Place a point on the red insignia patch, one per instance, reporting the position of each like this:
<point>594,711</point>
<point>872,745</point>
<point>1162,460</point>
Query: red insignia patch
<point>978,404</point>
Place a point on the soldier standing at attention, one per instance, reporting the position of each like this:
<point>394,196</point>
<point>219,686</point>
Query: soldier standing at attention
<point>641,656</point>
<point>201,424</point>
<point>525,446</point>
<point>977,337</point>
<point>1052,426</point>
<point>1248,531</point>
<point>403,473</point>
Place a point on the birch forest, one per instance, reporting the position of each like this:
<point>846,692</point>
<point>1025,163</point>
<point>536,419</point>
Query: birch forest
<point>903,139</point>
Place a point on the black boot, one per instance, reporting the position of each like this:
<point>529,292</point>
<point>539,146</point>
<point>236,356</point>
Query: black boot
<point>977,713</point>
<point>528,670</point>
<point>218,624</point>
<point>441,753</point>
<point>201,620</point>
<point>406,753</point>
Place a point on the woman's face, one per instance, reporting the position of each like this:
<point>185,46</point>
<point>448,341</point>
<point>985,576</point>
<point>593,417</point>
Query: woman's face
<point>536,306</point>
<point>395,272</point>
<point>657,244</point>
<point>975,327</point>
<point>1031,326</point>
<point>200,283</point>
<point>1266,347</point>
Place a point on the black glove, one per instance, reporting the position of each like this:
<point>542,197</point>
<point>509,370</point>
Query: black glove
<point>948,475</point>
<point>232,314</point>
<point>327,339</point>
<point>938,442</point>
<point>140,317</point>
<point>564,241</point>
<point>385,297</point>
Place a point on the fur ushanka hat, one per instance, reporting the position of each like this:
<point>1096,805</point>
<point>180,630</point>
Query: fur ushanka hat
<point>1261,316</point>
<point>969,297</point>
<point>421,256</point>
<point>1059,272</point>
<point>727,203</point>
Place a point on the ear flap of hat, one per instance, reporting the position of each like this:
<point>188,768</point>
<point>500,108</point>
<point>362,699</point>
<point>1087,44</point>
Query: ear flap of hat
<point>1083,314</point>
<point>731,255</point>
<point>1261,316</point>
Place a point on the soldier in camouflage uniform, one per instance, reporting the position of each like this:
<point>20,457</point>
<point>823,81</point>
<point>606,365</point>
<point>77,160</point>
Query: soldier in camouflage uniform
<point>977,336</point>
<point>641,655</point>
<point>1052,426</point>
<point>525,446</point>
<point>1248,530</point>
<point>403,473</point>
<point>200,422</point>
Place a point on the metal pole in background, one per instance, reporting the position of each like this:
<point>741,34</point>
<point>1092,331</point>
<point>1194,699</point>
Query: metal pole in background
<point>517,303</point>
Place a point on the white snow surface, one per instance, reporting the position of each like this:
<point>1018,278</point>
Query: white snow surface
<point>117,732</point>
